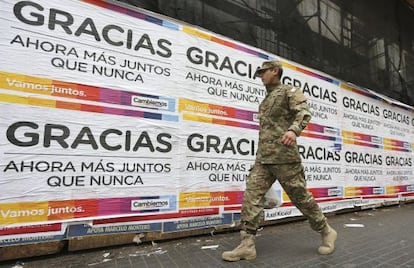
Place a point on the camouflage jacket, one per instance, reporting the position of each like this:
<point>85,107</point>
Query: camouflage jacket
<point>284,108</point>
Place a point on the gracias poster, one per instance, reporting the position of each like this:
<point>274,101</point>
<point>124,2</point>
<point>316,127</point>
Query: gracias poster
<point>119,117</point>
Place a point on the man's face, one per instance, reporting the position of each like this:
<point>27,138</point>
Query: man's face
<point>269,76</point>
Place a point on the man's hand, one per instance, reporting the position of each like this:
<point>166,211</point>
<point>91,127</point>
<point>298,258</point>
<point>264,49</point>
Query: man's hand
<point>289,138</point>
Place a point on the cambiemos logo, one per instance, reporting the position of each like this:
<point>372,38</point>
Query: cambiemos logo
<point>335,192</point>
<point>150,204</point>
<point>149,102</point>
<point>376,139</point>
<point>378,190</point>
<point>256,117</point>
<point>331,131</point>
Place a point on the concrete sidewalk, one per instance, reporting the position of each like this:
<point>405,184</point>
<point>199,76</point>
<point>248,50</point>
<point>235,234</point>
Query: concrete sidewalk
<point>385,240</point>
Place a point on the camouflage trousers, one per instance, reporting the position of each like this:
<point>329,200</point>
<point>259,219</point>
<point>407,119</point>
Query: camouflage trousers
<point>292,179</point>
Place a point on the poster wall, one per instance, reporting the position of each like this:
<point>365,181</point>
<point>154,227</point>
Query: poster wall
<point>115,117</point>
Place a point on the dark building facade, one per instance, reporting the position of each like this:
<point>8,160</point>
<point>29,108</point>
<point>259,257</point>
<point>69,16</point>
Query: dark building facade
<point>366,42</point>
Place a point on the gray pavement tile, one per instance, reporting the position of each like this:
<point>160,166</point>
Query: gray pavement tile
<point>386,265</point>
<point>371,264</point>
<point>123,262</point>
<point>309,263</point>
<point>138,262</point>
<point>407,265</point>
<point>399,259</point>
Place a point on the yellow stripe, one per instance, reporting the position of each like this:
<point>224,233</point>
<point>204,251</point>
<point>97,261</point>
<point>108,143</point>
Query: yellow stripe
<point>13,99</point>
<point>391,190</point>
<point>23,212</point>
<point>197,118</point>
<point>288,65</point>
<point>25,83</point>
<point>42,102</point>
<point>195,199</point>
<point>345,141</point>
<point>352,191</point>
<point>345,86</point>
<point>27,100</point>
<point>197,33</point>
<point>193,106</point>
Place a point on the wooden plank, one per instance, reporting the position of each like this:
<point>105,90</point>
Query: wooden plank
<point>98,241</point>
<point>31,250</point>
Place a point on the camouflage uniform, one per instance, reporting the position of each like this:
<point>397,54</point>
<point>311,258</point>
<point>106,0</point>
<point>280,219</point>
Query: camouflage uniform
<point>284,108</point>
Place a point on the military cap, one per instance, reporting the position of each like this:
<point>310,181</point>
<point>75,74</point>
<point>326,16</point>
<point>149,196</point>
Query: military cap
<point>268,65</point>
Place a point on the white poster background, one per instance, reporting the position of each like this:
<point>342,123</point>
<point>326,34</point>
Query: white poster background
<point>323,96</point>
<point>220,74</point>
<point>80,57</point>
<point>217,158</point>
<point>363,166</point>
<point>361,114</point>
<point>58,173</point>
<point>322,162</point>
<point>166,59</point>
<point>399,168</point>
<point>397,123</point>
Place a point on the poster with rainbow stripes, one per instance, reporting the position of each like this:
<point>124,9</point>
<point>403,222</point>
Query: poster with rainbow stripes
<point>115,119</point>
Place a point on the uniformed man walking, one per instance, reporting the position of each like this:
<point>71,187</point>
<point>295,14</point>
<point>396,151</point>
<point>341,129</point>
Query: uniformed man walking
<point>283,114</point>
